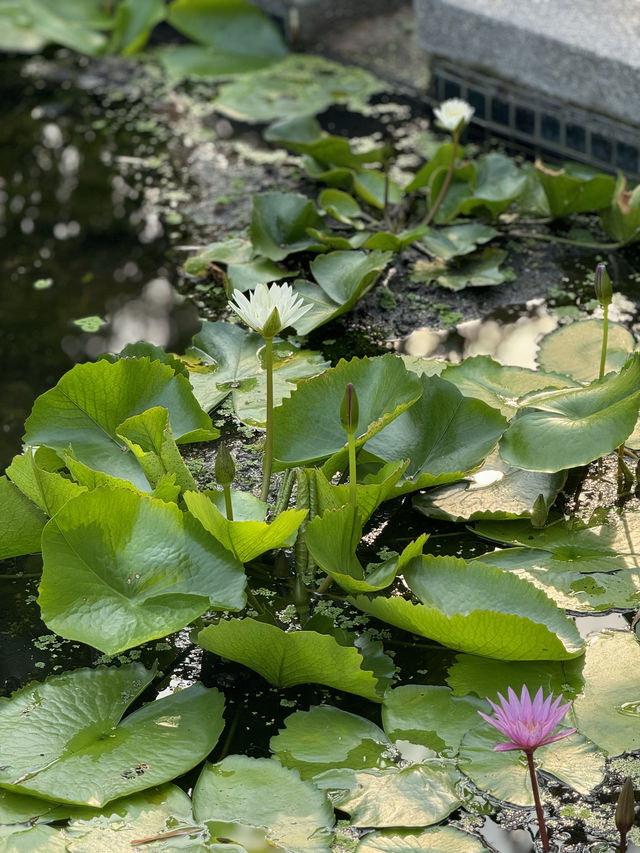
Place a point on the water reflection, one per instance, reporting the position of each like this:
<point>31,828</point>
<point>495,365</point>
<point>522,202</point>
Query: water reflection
<point>509,334</point>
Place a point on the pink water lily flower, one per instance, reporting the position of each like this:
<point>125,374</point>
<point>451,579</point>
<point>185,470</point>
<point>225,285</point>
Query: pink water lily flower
<point>528,724</point>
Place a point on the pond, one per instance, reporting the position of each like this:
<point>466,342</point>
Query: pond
<point>110,184</point>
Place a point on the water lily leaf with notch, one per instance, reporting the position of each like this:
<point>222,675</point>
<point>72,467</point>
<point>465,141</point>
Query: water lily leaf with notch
<point>90,401</point>
<point>90,757</point>
<point>288,658</point>
<point>341,206</point>
<point>444,435</point>
<point>122,568</point>
<point>564,582</point>
<point>575,761</point>
<point>231,362</point>
<point>37,476</point>
<point>343,278</point>
<point>499,183</point>
<point>21,522</point>
<point>498,385</point>
<point>395,242</point>
<point>494,491</point>
<point>332,540</point>
<point>435,839</point>
<point>622,221</point>
<point>236,29</point>
<point>478,609</point>
<point>455,240</point>
<point>259,792</point>
<point>245,539</point>
<point>370,493</point>
<point>575,188</point>
<point>279,224</point>
<point>566,428</point>
<point>307,425</point>
<point>372,186</point>
<point>150,439</point>
<point>300,85</point>
<point>233,251</point>
<point>607,709</point>
<point>575,349</point>
<point>480,270</point>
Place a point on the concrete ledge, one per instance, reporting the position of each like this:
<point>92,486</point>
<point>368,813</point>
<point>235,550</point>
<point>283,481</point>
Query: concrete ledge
<point>583,52</point>
<point>304,20</point>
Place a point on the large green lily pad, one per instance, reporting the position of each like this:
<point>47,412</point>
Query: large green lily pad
<point>575,349</point>
<point>21,522</point>
<point>279,224</point>
<point>121,569</point>
<point>64,740</point>
<point>435,839</point>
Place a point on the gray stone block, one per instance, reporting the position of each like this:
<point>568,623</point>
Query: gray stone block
<point>583,52</point>
<point>305,19</point>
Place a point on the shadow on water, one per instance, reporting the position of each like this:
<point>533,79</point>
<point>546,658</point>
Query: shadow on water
<point>79,239</point>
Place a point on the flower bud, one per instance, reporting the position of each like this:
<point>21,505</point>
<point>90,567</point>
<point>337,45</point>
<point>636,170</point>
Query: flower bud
<point>225,467</point>
<point>604,291</point>
<point>272,325</point>
<point>349,410</point>
<point>625,809</point>
<point>539,512</point>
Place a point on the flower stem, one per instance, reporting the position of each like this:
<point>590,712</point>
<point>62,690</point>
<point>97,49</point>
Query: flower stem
<point>351,437</point>
<point>267,458</point>
<point>544,838</point>
<point>447,180</point>
<point>605,335</point>
<point>227,501</point>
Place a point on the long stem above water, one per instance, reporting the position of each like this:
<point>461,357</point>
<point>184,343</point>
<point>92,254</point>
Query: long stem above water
<point>353,490</point>
<point>267,459</point>
<point>544,838</point>
<point>447,180</point>
<point>605,335</point>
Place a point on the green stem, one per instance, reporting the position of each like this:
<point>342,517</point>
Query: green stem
<point>324,586</point>
<point>267,459</point>
<point>353,490</point>
<point>544,838</point>
<point>284,494</point>
<point>605,335</point>
<point>447,180</point>
<point>582,244</point>
<point>227,501</point>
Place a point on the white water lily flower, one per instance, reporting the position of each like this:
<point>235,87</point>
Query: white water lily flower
<point>453,114</point>
<point>269,309</point>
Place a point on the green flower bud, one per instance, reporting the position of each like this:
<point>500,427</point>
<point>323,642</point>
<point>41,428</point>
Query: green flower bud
<point>539,512</point>
<point>604,291</point>
<point>349,410</point>
<point>625,809</point>
<point>272,325</point>
<point>225,467</point>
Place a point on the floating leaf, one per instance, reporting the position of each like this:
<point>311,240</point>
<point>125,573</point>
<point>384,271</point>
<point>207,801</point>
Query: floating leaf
<point>575,349</point>
<point>300,85</point>
<point>499,183</point>
<point>21,522</point>
<point>622,220</point>
<point>90,401</point>
<point>245,539</point>
<point>565,428</point>
<point>478,609</point>
<point>608,708</point>
<point>89,756</point>
<point>304,135</point>
<point>257,792</point>
<point>248,276</point>
<point>307,425</point>
<point>142,349</point>
<point>494,491</point>
<point>340,206</point>
<point>395,242</point>
<point>486,678</point>
<point>482,270</point>
<point>498,385</point>
<point>343,278</point>
<point>231,362</point>
<point>575,188</point>
<point>279,224</point>
<point>232,251</point>
<point>435,839</point>
<point>456,240</point>
<point>90,324</point>
<point>121,569</point>
<point>288,658</point>
<point>373,187</point>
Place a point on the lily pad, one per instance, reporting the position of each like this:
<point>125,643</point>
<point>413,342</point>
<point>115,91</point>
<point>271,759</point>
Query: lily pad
<point>230,361</point>
<point>499,183</point>
<point>486,678</point>
<point>340,206</point>
<point>575,188</point>
<point>307,425</point>
<point>395,242</point>
<point>279,224</point>
<point>575,349</point>
<point>343,278</point>
<point>372,186</point>
<point>455,240</point>
<point>21,522</point>
<point>478,609</point>
<point>90,401</point>
<point>258,792</point>
<point>248,276</point>
<point>622,220</point>
<point>370,493</point>
<point>435,839</point>
<point>288,658</point>
<point>498,385</point>
<point>494,491</point>
<point>481,270</point>
<point>566,428</point>
<point>121,569</point>
<point>245,539</point>
<point>90,756</point>
<point>232,251</point>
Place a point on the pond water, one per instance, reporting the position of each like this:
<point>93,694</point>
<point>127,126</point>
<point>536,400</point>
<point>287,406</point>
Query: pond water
<point>86,243</point>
